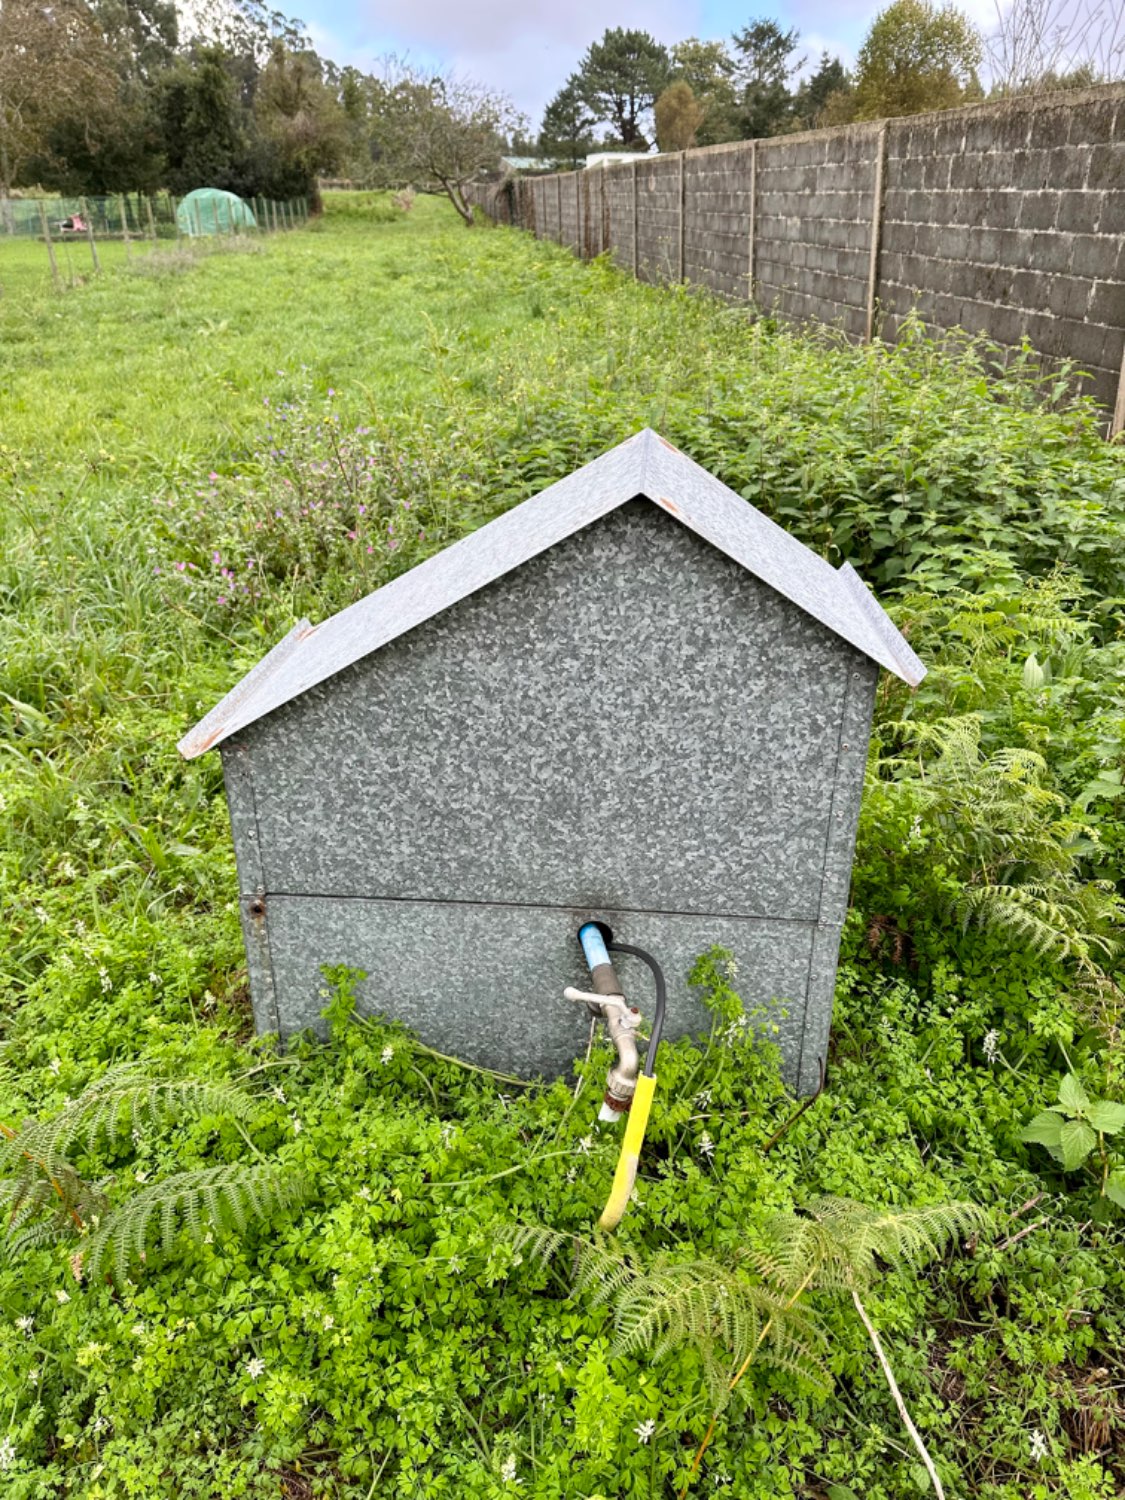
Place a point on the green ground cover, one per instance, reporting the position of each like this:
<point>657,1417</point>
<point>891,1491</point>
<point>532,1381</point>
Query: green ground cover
<point>195,451</point>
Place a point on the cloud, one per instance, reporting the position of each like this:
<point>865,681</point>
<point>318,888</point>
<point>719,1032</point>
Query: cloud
<point>527,51</point>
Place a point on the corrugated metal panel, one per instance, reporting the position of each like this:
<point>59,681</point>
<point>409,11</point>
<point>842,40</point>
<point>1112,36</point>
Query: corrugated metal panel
<point>645,466</point>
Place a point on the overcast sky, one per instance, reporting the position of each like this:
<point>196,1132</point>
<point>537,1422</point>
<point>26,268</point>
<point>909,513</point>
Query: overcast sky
<point>528,50</point>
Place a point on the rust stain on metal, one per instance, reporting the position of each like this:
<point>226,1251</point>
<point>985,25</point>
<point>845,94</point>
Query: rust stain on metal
<point>669,505</point>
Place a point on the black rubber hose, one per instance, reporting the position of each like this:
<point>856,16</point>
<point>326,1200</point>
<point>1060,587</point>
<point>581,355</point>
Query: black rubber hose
<point>649,1068</point>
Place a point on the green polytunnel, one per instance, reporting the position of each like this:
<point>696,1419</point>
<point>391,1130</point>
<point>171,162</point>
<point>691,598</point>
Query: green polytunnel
<point>214,211</point>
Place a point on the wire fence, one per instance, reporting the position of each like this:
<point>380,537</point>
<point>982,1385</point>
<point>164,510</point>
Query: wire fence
<point>133,219</point>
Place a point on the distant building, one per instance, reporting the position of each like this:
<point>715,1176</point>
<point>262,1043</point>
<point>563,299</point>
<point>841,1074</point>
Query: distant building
<point>611,158</point>
<point>527,164</point>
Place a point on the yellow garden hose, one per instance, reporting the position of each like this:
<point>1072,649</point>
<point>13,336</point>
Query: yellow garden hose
<point>626,1173</point>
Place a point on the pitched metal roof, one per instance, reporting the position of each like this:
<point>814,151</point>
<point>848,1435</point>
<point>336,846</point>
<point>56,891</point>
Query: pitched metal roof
<point>645,466</point>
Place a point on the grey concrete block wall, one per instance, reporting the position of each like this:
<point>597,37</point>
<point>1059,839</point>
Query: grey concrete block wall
<point>1008,221</point>
<point>1000,219</point>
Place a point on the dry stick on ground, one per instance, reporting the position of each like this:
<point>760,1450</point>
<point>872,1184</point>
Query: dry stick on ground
<point>915,1435</point>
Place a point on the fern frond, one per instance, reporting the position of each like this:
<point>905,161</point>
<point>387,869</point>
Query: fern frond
<point>714,1308</point>
<point>125,1098</point>
<point>1078,923</point>
<point>838,1244</point>
<point>538,1243</point>
<point>603,1271</point>
<point>225,1198</point>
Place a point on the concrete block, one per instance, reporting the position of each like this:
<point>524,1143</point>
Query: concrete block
<point>1068,296</point>
<point>1107,304</point>
<point>1039,210</point>
<point>1031,170</point>
<point>1081,211</point>
<point>1002,208</point>
<point>1050,251</point>
<point>1069,167</point>
<point>1105,169</point>
<point>1049,126</point>
<point>1094,255</point>
<point>1093,123</point>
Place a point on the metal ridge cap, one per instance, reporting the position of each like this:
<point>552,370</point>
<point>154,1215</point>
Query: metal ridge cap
<point>223,720</point>
<point>903,662</point>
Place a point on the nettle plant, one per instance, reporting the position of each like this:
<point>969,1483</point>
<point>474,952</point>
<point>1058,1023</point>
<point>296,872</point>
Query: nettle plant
<point>1076,1132</point>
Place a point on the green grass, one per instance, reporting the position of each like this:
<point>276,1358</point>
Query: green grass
<point>165,414</point>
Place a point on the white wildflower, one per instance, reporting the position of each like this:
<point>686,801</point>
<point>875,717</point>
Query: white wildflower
<point>991,1046</point>
<point>328,1321</point>
<point>98,1425</point>
<point>25,1324</point>
<point>62,1297</point>
<point>571,1174</point>
<point>7,1453</point>
<point>706,1146</point>
<point>107,982</point>
<point>208,1000</point>
<point>585,1145</point>
<point>33,1377</point>
<point>365,1193</point>
<point>140,1176</point>
<point>154,978</point>
<point>387,1054</point>
<point>43,915</point>
<point>448,1131</point>
<point>508,1470</point>
<point>296,1124</point>
<point>455,1265</point>
<point>138,1330</point>
<point>55,1066</point>
<point>645,1429</point>
<point>255,1367</point>
<point>66,869</point>
<point>703,1098</point>
<point>279,1094</point>
<point>732,967</point>
<point>1038,1443</point>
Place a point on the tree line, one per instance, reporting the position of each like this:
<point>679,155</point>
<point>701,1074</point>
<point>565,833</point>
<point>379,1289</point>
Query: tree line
<point>108,96</point>
<point>630,91</point>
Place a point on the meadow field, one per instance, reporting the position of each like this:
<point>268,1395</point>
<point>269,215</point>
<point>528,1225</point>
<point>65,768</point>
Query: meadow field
<point>197,447</point>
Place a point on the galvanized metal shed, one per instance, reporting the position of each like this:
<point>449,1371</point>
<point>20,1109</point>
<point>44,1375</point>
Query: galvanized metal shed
<point>632,697</point>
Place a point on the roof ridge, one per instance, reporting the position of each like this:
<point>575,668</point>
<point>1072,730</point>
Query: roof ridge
<point>645,465</point>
